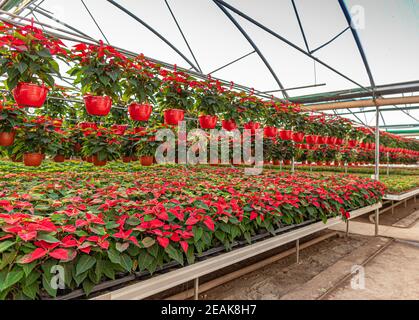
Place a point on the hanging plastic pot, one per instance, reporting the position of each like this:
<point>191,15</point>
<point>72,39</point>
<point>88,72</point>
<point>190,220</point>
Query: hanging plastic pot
<point>173,116</point>
<point>352,143</point>
<point>298,137</point>
<point>30,95</point>
<point>207,121</point>
<point>322,140</point>
<point>285,134</point>
<point>33,159</point>
<point>270,132</point>
<point>339,141</point>
<point>287,162</point>
<point>311,139</point>
<point>140,111</point>
<point>276,162</point>
<point>331,140</point>
<point>98,105</point>
<point>229,125</point>
<point>252,126</point>
<point>7,138</point>
<point>147,160</point>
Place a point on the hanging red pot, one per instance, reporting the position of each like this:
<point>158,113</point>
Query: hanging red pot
<point>339,141</point>
<point>270,132</point>
<point>126,159</point>
<point>207,121</point>
<point>287,162</point>
<point>173,116</point>
<point>140,111</point>
<point>33,159</point>
<point>352,143</point>
<point>331,140</point>
<point>322,140</point>
<point>30,95</point>
<point>252,126</point>
<point>98,105</point>
<point>229,125</point>
<point>7,138</point>
<point>147,160</point>
<point>59,158</point>
<point>372,146</point>
<point>311,139</point>
<point>276,162</point>
<point>298,137</point>
<point>285,134</point>
<point>319,163</point>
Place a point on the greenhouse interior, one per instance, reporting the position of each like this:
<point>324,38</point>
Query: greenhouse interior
<point>209,150</point>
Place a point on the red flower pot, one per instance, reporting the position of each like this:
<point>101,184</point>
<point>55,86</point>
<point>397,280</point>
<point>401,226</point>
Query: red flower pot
<point>270,132</point>
<point>319,163</point>
<point>126,159</point>
<point>276,162</point>
<point>287,162</point>
<point>33,159</point>
<point>322,140</point>
<point>97,162</point>
<point>77,147</point>
<point>98,105</point>
<point>352,143</point>
<point>339,141</point>
<point>30,95</point>
<point>147,160</point>
<point>304,162</point>
<point>311,139</point>
<point>229,125</point>
<point>207,121</point>
<point>327,163</point>
<point>331,140</point>
<point>298,137</point>
<point>140,111</point>
<point>7,138</point>
<point>285,134</point>
<point>59,158</point>
<point>252,126</point>
<point>173,116</point>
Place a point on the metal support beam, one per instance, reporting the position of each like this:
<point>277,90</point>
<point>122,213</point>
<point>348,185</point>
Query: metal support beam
<point>357,41</point>
<point>330,41</point>
<point>300,25</point>
<point>95,22</point>
<point>377,144</point>
<point>154,31</point>
<point>234,61</point>
<point>255,47</point>
<point>183,35</point>
<point>276,35</point>
<point>381,110</point>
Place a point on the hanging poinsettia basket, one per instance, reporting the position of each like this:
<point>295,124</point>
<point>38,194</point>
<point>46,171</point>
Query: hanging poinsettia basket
<point>285,134</point>
<point>229,125</point>
<point>30,95</point>
<point>252,126</point>
<point>173,116</point>
<point>298,137</point>
<point>207,121</point>
<point>270,132</point>
<point>98,105</point>
<point>140,111</point>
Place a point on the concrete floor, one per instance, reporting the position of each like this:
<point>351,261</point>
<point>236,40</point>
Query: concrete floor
<point>391,269</point>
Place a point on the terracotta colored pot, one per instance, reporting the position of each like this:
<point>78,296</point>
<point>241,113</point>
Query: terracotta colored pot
<point>328,163</point>
<point>126,159</point>
<point>97,162</point>
<point>147,160</point>
<point>33,159</point>
<point>207,121</point>
<point>140,111</point>
<point>304,162</point>
<point>287,162</point>
<point>77,147</point>
<point>59,158</point>
<point>89,159</point>
<point>30,95</point>
<point>285,134</point>
<point>229,125</point>
<point>98,105</point>
<point>319,163</point>
<point>173,116</point>
<point>270,132</point>
<point>276,162</point>
<point>298,137</point>
<point>7,138</point>
<point>134,158</point>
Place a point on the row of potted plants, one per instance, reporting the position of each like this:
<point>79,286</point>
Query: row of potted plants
<point>121,224</point>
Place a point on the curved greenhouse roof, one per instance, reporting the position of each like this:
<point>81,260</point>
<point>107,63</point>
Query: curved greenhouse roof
<point>266,44</point>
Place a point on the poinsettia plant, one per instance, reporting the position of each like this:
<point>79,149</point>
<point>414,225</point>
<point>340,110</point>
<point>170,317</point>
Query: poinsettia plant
<point>98,69</point>
<point>175,91</point>
<point>11,116</point>
<point>140,80</point>
<point>101,142</point>
<point>210,97</point>
<point>28,55</point>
